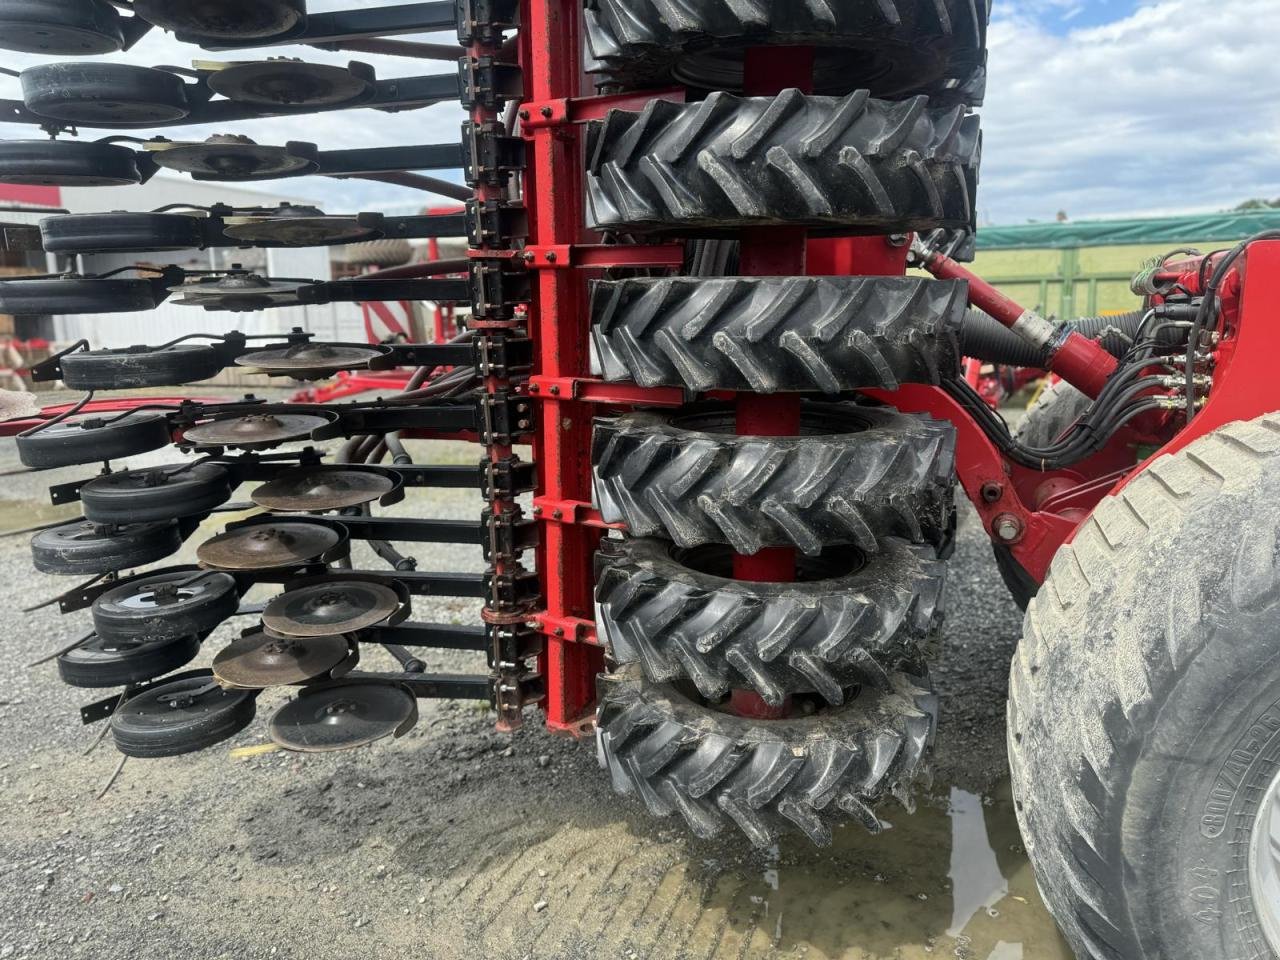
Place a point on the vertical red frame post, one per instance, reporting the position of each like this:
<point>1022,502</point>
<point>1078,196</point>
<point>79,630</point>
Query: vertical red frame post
<point>558,324</point>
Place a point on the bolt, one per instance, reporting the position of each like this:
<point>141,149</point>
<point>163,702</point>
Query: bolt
<point>524,114</point>
<point>546,112</point>
<point>898,239</point>
<point>528,257</point>
<point>537,511</point>
<point>534,388</point>
<point>557,514</point>
<point>1008,528</point>
<point>555,391</point>
<point>559,631</point>
<point>551,256</point>
<point>992,492</point>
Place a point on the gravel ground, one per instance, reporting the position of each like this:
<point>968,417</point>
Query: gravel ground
<point>458,842</point>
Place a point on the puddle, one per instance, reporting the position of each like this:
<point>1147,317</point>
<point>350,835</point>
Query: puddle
<point>949,881</point>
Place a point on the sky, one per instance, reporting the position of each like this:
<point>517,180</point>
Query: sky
<point>1094,107</point>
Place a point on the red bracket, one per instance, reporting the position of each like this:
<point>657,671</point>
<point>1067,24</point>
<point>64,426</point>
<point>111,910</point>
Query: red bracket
<point>568,628</point>
<point>601,256</point>
<point>597,391</point>
<point>541,114</point>
<point>572,512</point>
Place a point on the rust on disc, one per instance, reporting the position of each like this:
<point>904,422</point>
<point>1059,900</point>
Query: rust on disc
<point>310,358</point>
<point>305,489</point>
<point>343,716</point>
<point>230,157</point>
<point>257,660</point>
<point>258,430</point>
<point>335,606</point>
<point>268,546</point>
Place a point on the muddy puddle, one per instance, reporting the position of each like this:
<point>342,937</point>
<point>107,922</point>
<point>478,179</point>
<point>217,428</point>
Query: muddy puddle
<point>950,881</point>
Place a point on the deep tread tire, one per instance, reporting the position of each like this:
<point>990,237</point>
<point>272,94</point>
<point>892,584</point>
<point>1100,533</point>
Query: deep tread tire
<point>853,164</point>
<point>856,475</point>
<point>843,624</point>
<point>895,48</point>
<point>767,777</point>
<point>771,334</point>
<point>1145,706</point>
<point>1057,408</point>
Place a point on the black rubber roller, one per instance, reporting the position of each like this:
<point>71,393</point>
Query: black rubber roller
<point>771,334</point>
<point>854,164</point>
<point>104,662</point>
<point>846,622</point>
<point>62,28</point>
<point>181,716</point>
<point>856,475</point>
<point>166,605</point>
<point>104,94</point>
<point>156,493</point>
<point>82,549</point>
<point>804,774</point>
<point>93,440</point>
<point>121,232</point>
<point>134,367</point>
<point>894,48</point>
<point>225,19</point>
<point>71,295</point>
<point>67,163</point>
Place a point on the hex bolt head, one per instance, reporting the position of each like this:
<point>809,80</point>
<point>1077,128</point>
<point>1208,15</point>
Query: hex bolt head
<point>1007,528</point>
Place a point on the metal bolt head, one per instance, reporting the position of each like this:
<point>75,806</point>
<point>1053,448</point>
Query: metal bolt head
<point>1007,528</point>
<point>559,631</point>
<point>992,492</point>
<point>557,514</point>
<point>524,114</point>
<point>551,256</point>
<point>546,112</point>
<point>555,391</point>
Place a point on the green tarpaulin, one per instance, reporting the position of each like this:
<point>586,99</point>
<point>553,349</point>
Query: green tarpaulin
<point>1212,227</point>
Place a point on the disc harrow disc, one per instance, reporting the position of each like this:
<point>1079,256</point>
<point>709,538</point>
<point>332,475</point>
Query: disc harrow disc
<point>307,489</point>
<point>67,163</point>
<point>255,432</point>
<point>182,716</point>
<point>92,440</point>
<point>110,94</point>
<point>133,367</point>
<point>315,231</point>
<point>81,548</point>
<point>257,660</point>
<point>119,662</point>
<point>289,83</point>
<point>239,292</point>
<point>156,493</point>
<point>225,19</point>
<point>121,232</point>
<point>311,361</point>
<point>166,605</point>
<point>232,158</point>
<point>269,546</point>
<point>343,716</point>
<point>70,295</point>
<point>64,28</point>
<point>337,606</point>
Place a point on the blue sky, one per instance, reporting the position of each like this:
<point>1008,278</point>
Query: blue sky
<point>1095,107</point>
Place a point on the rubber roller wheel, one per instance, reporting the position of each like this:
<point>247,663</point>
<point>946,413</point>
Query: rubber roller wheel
<point>83,549</point>
<point>893,48</point>
<point>109,94</point>
<point>156,493</point>
<point>804,334</point>
<point>135,367</point>
<point>805,774</point>
<point>854,164</point>
<point>121,232</point>
<point>73,295</point>
<point>104,662</point>
<point>64,28</point>
<point>225,19</point>
<point>856,475</point>
<point>378,253</point>
<point>167,605</point>
<point>67,163</point>
<point>846,622</point>
<point>182,716</point>
<point>92,440</point>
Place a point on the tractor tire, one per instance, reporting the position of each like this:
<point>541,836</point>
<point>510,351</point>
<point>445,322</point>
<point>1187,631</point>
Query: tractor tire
<point>844,624</point>
<point>895,49</point>
<point>1144,715</point>
<point>856,475</point>
<point>771,334</point>
<point>766,776</point>
<point>1054,411</point>
<point>377,253</point>
<point>854,164</point>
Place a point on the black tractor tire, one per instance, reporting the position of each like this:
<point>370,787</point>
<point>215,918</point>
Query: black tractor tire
<point>895,49</point>
<point>1053,412</point>
<point>772,334</point>
<point>766,776</point>
<point>103,663</point>
<point>856,475</point>
<point>845,623</point>
<point>1144,714</point>
<point>81,549</point>
<point>854,164</point>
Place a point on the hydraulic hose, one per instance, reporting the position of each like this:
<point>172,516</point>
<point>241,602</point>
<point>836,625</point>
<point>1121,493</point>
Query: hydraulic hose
<point>985,338</point>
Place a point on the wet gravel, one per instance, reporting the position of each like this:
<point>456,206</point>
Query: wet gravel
<point>454,842</point>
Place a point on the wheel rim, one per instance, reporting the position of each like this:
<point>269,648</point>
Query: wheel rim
<point>1264,865</point>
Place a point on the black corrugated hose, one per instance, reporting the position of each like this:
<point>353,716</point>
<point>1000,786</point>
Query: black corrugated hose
<point>985,338</point>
